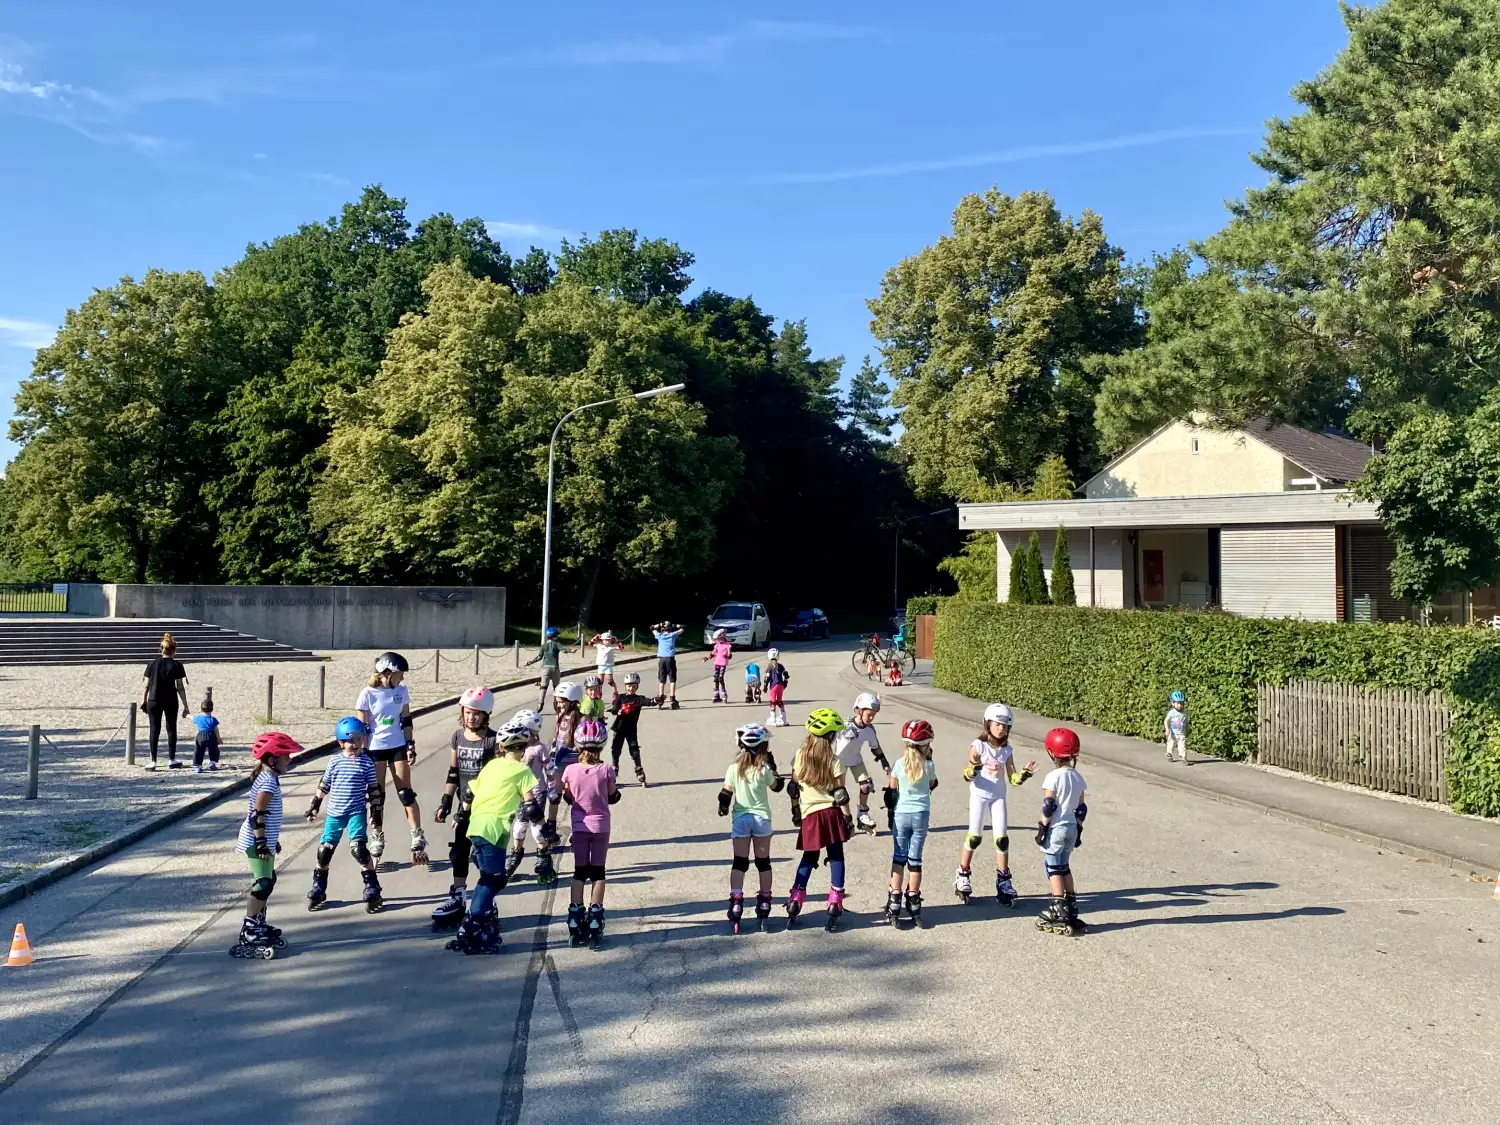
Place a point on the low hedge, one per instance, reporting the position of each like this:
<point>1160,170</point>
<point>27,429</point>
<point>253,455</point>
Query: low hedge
<point>1113,669</point>
<point>919,607</point>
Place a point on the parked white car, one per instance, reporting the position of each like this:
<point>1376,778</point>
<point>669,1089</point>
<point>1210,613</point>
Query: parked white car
<point>746,623</point>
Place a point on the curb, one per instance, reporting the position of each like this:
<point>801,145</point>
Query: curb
<point>50,873</point>
<point>1442,859</point>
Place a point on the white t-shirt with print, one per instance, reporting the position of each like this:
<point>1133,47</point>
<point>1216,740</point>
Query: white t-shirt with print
<point>1067,786</point>
<point>849,744</point>
<point>384,706</point>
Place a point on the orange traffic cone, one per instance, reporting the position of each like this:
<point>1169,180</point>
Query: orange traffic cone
<point>20,949</point>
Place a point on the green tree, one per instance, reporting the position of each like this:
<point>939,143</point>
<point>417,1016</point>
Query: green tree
<point>866,403</point>
<point>973,568</point>
<point>1018,588</point>
<point>1063,592</point>
<point>116,432</point>
<point>989,334</point>
<point>1036,580</point>
<point>1358,286</point>
<point>620,264</point>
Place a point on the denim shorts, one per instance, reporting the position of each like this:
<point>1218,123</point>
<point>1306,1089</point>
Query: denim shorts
<point>908,837</point>
<point>335,826</point>
<point>748,824</point>
<point>1058,853</point>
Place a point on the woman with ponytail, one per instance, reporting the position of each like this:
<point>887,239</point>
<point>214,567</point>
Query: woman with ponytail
<point>164,679</point>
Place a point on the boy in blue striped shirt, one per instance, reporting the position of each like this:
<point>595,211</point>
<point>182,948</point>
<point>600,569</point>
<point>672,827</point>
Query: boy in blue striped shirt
<point>348,784</point>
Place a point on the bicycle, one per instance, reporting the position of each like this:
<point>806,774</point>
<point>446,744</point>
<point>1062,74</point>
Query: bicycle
<point>867,661</point>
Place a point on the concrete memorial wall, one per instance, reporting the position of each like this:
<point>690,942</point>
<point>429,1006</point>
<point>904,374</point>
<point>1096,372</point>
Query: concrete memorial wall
<point>324,617</point>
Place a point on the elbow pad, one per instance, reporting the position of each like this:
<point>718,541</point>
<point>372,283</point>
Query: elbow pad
<point>406,726</point>
<point>840,796</point>
<point>793,790</point>
<point>778,783</point>
<point>614,798</point>
<point>1049,806</point>
<point>725,796</point>
<point>452,775</point>
<point>1083,812</point>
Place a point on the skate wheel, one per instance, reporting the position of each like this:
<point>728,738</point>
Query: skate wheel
<point>281,943</point>
<point>266,952</point>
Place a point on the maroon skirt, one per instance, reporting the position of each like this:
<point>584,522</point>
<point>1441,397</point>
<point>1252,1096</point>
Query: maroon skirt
<point>824,827</point>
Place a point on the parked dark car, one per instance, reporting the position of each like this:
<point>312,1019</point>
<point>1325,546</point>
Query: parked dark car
<point>802,624</point>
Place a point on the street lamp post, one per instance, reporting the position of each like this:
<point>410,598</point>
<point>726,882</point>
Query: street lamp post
<point>551,463</point>
<point>896,562</point>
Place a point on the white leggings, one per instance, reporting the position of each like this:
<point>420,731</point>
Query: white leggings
<point>987,800</point>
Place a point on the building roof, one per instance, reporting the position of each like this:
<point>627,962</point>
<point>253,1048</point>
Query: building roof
<point>1299,506</point>
<point>1330,457</point>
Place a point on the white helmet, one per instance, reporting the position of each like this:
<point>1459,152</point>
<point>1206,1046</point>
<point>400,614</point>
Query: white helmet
<point>528,719</point>
<point>568,690</point>
<point>607,637</point>
<point>773,654</point>
<point>478,698</point>
<point>513,734</point>
<point>999,713</point>
<point>720,634</point>
<point>867,701</point>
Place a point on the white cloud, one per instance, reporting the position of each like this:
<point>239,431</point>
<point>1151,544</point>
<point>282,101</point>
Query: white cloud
<point>1001,156</point>
<point>327,178</point>
<point>29,334</point>
<point>14,81</point>
<point>538,232</point>
<point>704,49</point>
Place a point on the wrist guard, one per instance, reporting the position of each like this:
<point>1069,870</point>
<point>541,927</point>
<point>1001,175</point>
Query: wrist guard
<point>1041,833</point>
<point>891,798</point>
<point>614,798</point>
<point>725,796</point>
<point>969,771</point>
<point>317,803</point>
<point>1019,779</point>
<point>258,823</point>
<point>1083,812</point>
<point>881,758</point>
<point>445,802</point>
<point>840,797</point>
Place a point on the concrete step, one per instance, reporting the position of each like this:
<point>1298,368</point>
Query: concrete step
<point>92,641</point>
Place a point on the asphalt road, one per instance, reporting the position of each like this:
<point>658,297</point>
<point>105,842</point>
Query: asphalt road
<point>1240,969</point>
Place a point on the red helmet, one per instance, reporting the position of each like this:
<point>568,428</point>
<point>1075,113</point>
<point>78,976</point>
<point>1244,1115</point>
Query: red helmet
<point>1062,743</point>
<point>918,731</point>
<point>274,744</point>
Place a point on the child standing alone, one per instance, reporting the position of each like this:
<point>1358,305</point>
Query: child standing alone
<point>208,739</point>
<point>723,651</point>
<point>589,787</point>
<point>777,677</point>
<point>912,784</point>
<point>1175,727</point>
<point>1061,830</point>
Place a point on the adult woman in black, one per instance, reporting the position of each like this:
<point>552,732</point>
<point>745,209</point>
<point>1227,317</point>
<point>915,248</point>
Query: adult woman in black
<point>162,689</point>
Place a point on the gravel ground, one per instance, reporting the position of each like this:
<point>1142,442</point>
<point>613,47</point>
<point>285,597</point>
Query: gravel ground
<point>87,792</point>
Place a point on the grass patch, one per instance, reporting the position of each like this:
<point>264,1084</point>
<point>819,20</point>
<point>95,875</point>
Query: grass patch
<point>76,833</point>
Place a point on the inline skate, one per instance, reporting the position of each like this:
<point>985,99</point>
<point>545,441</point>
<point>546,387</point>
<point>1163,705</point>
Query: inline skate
<point>1005,890</point>
<point>450,911</point>
<point>254,941</point>
<point>317,894</point>
<point>963,886</point>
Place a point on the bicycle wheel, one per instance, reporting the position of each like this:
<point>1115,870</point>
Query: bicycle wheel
<point>908,661</point>
<point>860,661</point>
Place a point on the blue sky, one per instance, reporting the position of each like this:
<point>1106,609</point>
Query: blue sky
<point>798,150</point>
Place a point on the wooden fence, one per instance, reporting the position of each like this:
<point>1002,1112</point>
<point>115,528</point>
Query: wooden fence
<point>1394,739</point>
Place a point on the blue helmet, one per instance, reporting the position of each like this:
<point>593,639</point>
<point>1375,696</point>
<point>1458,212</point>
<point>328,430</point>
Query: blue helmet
<point>1177,697</point>
<point>350,728</point>
<point>551,632</point>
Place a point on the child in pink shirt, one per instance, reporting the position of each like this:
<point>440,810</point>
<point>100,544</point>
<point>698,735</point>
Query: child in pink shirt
<point>722,652</point>
<point>589,787</point>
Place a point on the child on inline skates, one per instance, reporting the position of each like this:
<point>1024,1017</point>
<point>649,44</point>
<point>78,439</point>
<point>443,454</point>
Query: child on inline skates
<point>347,784</point>
<point>259,839</point>
<point>209,738</point>
<point>627,711</point>
<point>471,747</point>
<point>1060,831</point>
<point>752,683</point>
<point>494,798</point>
<point>722,652</point>
<point>777,677</point>
<point>529,816</point>
<point>384,706</point>
<point>1175,727</point>
<point>606,644</point>
<point>849,749</point>
<point>549,653</point>
<point>751,778</point>
<point>818,785</point>
<point>589,787</point>
<point>566,702</point>
<point>909,796</point>
<point>592,704</point>
<point>666,634</point>
<point>991,766</point>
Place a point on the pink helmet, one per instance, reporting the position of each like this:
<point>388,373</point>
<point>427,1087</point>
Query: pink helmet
<point>590,732</point>
<point>274,744</point>
<point>478,698</point>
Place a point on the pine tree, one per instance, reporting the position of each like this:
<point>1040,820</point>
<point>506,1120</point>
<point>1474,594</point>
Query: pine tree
<point>1017,594</point>
<point>1036,581</point>
<point>1062,572</point>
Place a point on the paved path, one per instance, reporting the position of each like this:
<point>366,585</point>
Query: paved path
<point>1241,969</point>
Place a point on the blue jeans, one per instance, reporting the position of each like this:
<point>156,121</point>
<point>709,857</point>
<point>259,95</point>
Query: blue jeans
<point>908,836</point>
<point>1057,853</point>
<point>490,859</point>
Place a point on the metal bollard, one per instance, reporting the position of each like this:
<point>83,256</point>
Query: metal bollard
<point>516,648</point>
<point>130,737</point>
<point>476,660</point>
<point>437,665</point>
<point>33,761</point>
<point>322,685</point>
<point>270,698</point>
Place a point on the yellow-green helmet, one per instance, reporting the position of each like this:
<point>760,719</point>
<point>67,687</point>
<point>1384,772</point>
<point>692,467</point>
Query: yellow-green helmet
<point>825,722</point>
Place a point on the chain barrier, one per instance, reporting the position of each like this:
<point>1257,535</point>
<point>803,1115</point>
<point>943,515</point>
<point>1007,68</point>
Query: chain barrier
<point>103,746</point>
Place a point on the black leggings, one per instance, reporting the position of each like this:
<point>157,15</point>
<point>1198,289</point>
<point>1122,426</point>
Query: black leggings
<point>458,852</point>
<point>621,737</point>
<point>155,713</point>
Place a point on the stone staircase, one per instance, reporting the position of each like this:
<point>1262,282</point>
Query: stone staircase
<point>63,640</point>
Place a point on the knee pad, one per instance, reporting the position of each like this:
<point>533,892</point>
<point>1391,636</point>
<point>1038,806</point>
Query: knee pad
<point>762,863</point>
<point>866,787</point>
<point>1065,869</point>
<point>1002,843</point>
<point>596,873</point>
<point>741,863</point>
<point>493,882</point>
<point>360,852</point>
<point>263,887</point>
<point>408,796</point>
<point>973,841</point>
<point>325,854</point>
<point>914,867</point>
<point>377,804</point>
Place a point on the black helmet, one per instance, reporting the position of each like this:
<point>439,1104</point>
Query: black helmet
<point>391,662</point>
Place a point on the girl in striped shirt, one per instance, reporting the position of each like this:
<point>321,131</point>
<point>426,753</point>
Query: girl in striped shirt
<point>259,839</point>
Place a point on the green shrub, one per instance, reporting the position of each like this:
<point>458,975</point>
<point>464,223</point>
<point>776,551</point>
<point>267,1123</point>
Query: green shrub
<point>1063,592</point>
<point>1113,669</point>
<point>918,607</point>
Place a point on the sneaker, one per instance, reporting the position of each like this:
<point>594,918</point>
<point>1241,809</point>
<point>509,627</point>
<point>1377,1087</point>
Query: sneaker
<point>174,764</point>
<point>213,766</point>
<point>150,767</point>
<point>197,769</point>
